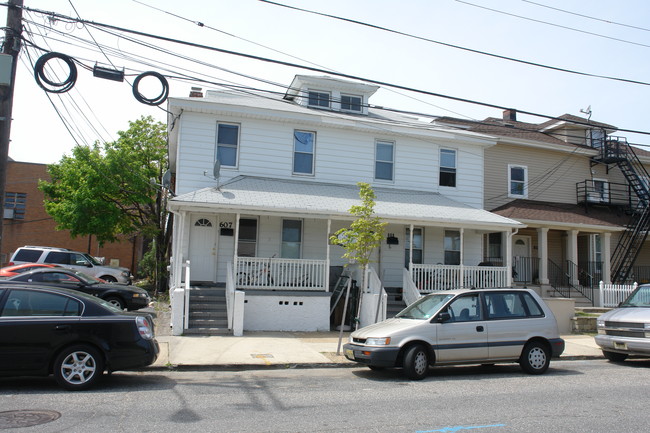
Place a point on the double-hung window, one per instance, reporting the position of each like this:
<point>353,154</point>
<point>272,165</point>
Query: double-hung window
<point>318,99</point>
<point>303,152</point>
<point>447,167</point>
<point>291,239</point>
<point>517,181</point>
<point>384,160</point>
<point>351,103</point>
<point>452,247</point>
<point>227,144</point>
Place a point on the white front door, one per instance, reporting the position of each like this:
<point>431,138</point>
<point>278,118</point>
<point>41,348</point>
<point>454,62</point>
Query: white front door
<point>522,261</point>
<point>203,248</point>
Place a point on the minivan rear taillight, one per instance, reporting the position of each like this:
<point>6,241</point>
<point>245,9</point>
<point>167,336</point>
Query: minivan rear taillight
<point>144,327</point>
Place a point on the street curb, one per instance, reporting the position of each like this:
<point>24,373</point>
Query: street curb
<point>302,366</point>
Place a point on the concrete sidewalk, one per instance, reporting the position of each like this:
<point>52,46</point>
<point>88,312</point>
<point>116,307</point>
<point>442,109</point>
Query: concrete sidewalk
<point>315,349</point>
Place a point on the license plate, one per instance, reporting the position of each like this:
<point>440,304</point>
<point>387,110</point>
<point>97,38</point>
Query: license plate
<point>349,353</point>
<point>620,346</point>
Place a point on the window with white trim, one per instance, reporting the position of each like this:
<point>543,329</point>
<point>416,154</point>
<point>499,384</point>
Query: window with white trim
<point>247,242</point>
<point>291,239</point>
<point>318,99</point>
<point>517,181</point>
<point>418,242</point>
<point>384,160</point>
<point>452,247</point>
<point>447,167</point>
<point>227,144</point>
<point>351,103</point>
<point>303,152</point>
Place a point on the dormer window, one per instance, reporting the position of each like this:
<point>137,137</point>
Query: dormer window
<point>351,103</point>
<point>595,138</point>
<point>319,99</point>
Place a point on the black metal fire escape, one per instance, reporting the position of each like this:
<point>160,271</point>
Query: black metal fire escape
<point>617,151</point>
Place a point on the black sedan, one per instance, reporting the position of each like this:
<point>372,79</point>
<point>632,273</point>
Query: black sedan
<point>120,295</point>
<point>74,336</point>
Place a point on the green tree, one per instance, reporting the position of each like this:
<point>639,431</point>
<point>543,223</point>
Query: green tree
<point>364,234</point>
<point>113,189</point>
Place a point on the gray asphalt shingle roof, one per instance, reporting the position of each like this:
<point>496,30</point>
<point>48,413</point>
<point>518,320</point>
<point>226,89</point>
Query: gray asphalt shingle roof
<point>248,193</point>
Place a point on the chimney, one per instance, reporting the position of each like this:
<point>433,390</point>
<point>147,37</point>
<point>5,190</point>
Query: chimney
<point>196,92</point>
<point>510,114</point>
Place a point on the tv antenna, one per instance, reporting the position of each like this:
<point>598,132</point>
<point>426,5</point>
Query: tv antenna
<point>587,111</point>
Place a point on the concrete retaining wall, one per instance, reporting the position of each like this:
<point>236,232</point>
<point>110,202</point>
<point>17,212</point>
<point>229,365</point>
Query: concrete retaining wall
<point>286,311</point>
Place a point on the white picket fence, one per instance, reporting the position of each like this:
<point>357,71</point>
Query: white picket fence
<point>613,294</point>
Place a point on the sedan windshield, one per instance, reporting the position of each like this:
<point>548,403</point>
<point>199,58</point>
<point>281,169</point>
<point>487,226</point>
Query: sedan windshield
<point>639,298</point>
<point>424,308</point>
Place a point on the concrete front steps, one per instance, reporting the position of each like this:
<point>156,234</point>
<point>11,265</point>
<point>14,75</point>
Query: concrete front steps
<point>208,312</point>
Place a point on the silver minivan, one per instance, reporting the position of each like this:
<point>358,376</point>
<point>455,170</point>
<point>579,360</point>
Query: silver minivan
<point>463,326</point>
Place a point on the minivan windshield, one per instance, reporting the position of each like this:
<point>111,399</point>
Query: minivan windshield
<point>639,298</point>
<point>424,308</point>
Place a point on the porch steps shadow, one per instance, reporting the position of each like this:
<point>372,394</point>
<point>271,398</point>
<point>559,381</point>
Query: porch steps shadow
<point>395,302</point>
<point>208,311</point>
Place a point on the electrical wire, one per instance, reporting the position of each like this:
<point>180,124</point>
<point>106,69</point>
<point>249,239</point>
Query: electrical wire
<point>485,53</point>
<point>552,24</point>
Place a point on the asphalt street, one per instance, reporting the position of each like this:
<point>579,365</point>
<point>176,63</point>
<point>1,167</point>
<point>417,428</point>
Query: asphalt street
<point>574,396</point>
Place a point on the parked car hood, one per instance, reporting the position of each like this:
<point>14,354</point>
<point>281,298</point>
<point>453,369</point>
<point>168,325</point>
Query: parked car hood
<point>628,314</point>
<point>387,328</point>
<point>117,286</point>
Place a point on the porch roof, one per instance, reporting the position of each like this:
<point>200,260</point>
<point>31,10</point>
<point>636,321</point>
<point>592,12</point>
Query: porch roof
<point>564,215</point>
<point>248,194</point>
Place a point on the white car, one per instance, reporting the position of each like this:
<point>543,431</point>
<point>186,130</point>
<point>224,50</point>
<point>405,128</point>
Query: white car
<point>625,330</point>
<point>462,326</point>
<point>81,262</point>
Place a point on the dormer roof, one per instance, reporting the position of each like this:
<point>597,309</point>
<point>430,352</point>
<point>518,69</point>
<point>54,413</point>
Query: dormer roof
<point>301,83</point>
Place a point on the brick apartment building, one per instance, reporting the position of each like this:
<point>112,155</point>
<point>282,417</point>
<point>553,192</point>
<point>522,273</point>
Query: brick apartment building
<point>25,221</point>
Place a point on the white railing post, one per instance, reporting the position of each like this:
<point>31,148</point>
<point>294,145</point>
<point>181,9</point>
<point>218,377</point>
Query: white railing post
<point>601,294</point>
<point>187,295</point>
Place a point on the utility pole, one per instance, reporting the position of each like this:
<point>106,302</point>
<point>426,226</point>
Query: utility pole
<point>11,46</point>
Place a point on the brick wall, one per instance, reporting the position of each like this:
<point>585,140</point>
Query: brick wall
<point>38,228</point>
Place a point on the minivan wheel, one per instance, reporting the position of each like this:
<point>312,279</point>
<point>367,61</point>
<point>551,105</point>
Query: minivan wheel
<point>614,356</point>
<point>78,367</point>
<point>416,362</point>
<point>535,358</point>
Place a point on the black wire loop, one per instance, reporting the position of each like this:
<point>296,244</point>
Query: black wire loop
<point>55,86</point>
<point>151,101</point>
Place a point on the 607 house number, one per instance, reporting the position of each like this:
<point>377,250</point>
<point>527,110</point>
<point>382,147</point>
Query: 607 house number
<point>225,225</point>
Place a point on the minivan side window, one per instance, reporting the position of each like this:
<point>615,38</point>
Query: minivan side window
<point>465,308</point>
<point>512,305</point>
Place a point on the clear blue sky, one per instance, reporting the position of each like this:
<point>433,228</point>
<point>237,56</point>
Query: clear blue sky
<point>38,134</point>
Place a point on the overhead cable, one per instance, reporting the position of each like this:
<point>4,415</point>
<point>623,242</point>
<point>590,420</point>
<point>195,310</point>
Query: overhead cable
<point>485,53</point>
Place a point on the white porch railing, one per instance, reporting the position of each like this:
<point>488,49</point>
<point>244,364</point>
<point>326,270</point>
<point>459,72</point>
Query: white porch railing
<point>613,294</point>
<point>410,292</point>
<point>281,274</point>
<point>375,300</point>
<point>234,304</point>
<point>186,312</point>
<point>431,278</point>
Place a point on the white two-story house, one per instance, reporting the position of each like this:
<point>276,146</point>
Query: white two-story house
<point>261,181</point>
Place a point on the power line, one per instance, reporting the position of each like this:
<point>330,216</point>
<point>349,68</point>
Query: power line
<point>485,53</point>
<point>587,16</point>
<point>552,24</point>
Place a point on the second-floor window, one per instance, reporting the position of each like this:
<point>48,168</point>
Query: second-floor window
<point>350,103</point>
<point>318,99</point>
<point>303,152</point>
<point>595,138</point>
<point>227,144</point>
<point>517,181</point>
<point>15,205</point>
<point>384,160</point>
<point>447,167</point>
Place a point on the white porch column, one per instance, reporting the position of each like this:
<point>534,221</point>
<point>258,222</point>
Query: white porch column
<point>236,246</point>
<point>461,277</point>
<point>508,252</point>
<point>606,254</point>
<point>542,252</point>
<point>327,254</point>
<point>411,250</point>
<point>572,251</point>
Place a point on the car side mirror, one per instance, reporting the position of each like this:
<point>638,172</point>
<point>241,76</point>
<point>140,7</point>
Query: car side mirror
<point>443,317</point>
